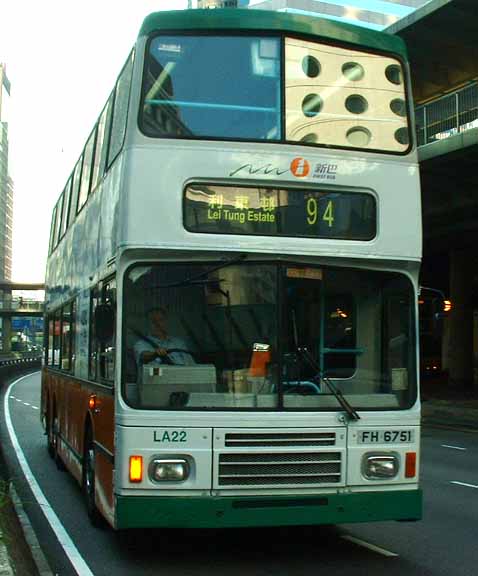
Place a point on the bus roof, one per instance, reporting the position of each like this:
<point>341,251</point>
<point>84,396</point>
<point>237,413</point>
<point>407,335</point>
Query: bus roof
<point>225,19</point>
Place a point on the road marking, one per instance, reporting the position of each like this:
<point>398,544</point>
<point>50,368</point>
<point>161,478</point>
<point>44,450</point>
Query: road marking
<point>26,403</point>
<point>64,539</point>
<point>463,484</point>
<point>453,447</point>
<point>369,546</point>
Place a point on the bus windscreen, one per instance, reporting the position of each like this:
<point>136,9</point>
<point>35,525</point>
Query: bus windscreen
<point>298,212</point>
<point>212,87</point>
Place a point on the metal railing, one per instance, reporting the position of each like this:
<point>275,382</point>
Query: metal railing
<point>15,363</point>
<point>449,115</point>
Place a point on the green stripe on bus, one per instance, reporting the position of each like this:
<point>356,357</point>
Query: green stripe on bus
<point>230,512</point>
<point>262,20</point>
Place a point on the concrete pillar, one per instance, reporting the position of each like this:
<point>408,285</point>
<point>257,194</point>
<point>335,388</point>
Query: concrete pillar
<point>460,321</point>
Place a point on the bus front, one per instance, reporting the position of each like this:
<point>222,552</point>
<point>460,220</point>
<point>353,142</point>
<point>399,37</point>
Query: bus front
<point>268,276</point>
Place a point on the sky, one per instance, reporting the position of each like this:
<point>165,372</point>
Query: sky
<point>62,61</point>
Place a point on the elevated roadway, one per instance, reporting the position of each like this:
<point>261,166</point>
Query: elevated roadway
<point>16,306</point>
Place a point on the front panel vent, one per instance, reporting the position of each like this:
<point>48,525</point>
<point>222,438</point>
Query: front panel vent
<point>280,468</point>
<point>289,439</point>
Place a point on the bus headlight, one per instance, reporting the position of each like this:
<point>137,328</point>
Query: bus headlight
<point>380,466</point>
<point>169,470</point>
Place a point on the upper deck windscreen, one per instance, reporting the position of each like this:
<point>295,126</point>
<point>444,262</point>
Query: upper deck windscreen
<point>212,86</point>
<point>273,88</point>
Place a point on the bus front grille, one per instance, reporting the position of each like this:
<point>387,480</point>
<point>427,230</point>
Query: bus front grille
<point>280,468</point>
<point>290,439</point>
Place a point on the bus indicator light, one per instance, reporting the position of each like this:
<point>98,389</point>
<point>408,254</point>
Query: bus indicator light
<point>135,469</point>
<point>92,402</point>
<point>411,465</point>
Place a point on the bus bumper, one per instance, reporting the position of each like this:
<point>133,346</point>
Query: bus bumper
<point>248,511</point>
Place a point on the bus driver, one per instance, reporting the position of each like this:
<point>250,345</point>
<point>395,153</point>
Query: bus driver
<point>158,347</point>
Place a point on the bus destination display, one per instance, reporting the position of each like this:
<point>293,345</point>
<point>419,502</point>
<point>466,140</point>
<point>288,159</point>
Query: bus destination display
<point>317,213</point>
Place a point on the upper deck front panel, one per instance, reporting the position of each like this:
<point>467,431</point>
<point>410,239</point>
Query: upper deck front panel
<point>158,173</point>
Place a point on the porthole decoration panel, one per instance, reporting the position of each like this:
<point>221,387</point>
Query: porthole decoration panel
<point>340,97</point>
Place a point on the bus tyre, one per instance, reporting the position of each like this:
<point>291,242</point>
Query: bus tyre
<point>89,481</point>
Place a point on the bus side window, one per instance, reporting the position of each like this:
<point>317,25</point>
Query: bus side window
<point>68,337</point>
<point>56,339</point>
<point>93,356</point>
<point>120,111</point>
<point>108,345</point>
<point>65,338</point>
<point>102,347</point>
<point>51,331</point>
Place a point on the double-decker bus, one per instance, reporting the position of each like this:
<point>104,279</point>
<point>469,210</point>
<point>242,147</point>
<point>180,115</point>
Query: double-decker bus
<point>231,288</point>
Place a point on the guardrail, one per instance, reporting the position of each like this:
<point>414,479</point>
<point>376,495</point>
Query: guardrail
<point>15,364</point>
<point>448,115</point>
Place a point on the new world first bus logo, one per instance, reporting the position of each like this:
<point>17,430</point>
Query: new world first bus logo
<point>300,167</point>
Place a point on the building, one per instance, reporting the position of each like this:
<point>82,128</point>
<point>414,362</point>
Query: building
<point>6,207</point>
<point>376,15</point>
<point>6,184</point>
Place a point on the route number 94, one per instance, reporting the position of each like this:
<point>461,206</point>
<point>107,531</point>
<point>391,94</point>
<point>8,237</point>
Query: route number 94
<point>313,212</point>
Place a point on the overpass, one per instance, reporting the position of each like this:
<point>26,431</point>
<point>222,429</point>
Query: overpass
<point>441,40</point>
<point>16,306</point>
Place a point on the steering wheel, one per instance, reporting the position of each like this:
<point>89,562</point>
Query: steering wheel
<point>172,350</point>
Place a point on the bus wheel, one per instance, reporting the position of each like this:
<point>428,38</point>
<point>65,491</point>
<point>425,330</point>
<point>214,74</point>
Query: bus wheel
<point>89,481</point>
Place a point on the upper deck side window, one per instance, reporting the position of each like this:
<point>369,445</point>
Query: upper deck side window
<point>104,144</point>
<point>53,228</point>
<point>242,88</point>
<point>65,209</point>
<point>120,112</point>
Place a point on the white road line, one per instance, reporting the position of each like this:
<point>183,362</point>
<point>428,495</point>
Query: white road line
<point>452,447</point>
<point>26,403</point>
<point>463,484</point>
<point>369,546</point>
<point>64,539</point>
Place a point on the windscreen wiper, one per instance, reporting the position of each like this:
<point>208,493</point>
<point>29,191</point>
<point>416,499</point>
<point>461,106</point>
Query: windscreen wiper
<point>304,353</point>
<point>197,278</point>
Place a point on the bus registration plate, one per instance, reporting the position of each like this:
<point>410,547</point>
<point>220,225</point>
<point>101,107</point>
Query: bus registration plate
<point>386,436</point>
